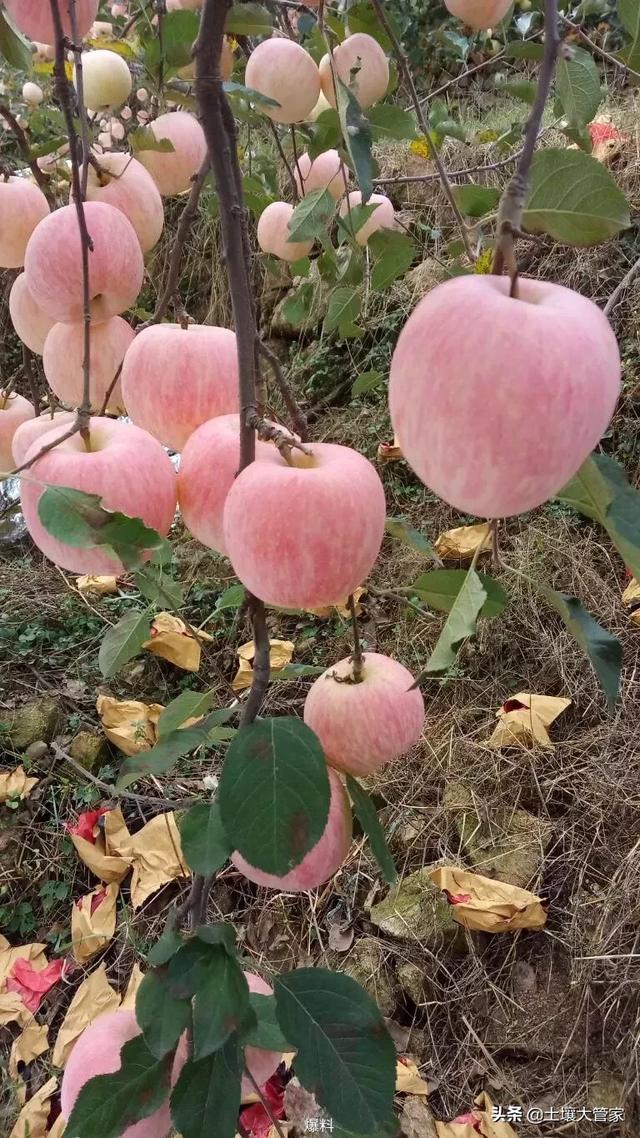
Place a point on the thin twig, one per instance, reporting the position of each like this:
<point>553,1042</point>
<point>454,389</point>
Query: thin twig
<point>622,287</point>
<point>82,110</point>
<point>27,362</point>
<point>600,50</point>
<point>186,221</point>
<point>408,179</point>
<point>356,655</point>
<point>23,145</point>
<point>295,412</point>
<point>295,193</point>
<point>113,792</point>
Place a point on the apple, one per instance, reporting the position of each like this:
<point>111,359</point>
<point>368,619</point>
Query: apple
<point>324,172</point>
<point>33,429</point>
<point>125,466</point>
<point>282,70</point>
<point>175,378</point>
<point>479,13</point>
<point>273,233</point>
<point>33,17</point>
<point>124,183</point>
<point>321,105</point>
<point>361,64</point>
<point>497,401</point>
<point>22,207</point>
<point>364,725</point>
<point>106,79</point>
<point>64,354</point>
<point>14,410</point>
<point>323,860</point>
<point>53,263</point>
<point>383,216</point>
<point>32,94</point>
<point>31,324</point>
<point>305,535</point>
<point>227,62</point>
<point>173,171</point>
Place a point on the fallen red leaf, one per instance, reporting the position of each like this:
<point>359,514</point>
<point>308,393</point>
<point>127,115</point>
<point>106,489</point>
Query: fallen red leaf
<point>31,985</point>
<point>255,1120</point>
<point>86,824</point>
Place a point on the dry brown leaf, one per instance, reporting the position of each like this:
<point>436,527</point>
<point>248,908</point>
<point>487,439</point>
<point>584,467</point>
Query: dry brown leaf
<point>523,720</point>
<point>173,641</point>
<point>480,1116</point>
<point>135,980</point>
<point>93,922</point>
<point>33,1118</point>
<point>94,997</point>
<point>129,724</point>
<point>409,1080</point>
<point>460,544</point>
<point>101,586</point>
<point>280,654</point>
<point>16,784</point>
<point>157,855</point>
<point>32,1041</point>
<point>486,905</point>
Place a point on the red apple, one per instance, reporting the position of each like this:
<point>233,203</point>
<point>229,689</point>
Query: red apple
<point>479,13</point>
<point>53,263</point>
<point>324,172</point>
<point>496,402</point>
<point>323,860</point>
<point>361,64</point>
<point>383,216</point>
<point>64,354</point>
<point>305,535</point>
<point>126,467</point>
<point>31,324</point>
<point>22,208</point>
<point>124,182</point>
<point>282,70</point>
<point>33,17</point>
<point>33,429</point>
<point>273,233</point>
<point>173,171</point>
<point>14,410</point>
<point>364,725</point>
<point>175,378</point>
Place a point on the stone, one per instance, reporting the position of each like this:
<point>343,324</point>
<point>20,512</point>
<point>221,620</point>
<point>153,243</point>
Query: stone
<point>416,910</point>
<point>366,963</point>
<point>281,324</point>
<point>36,751</point>
<point>33,722</point>
<point>416,1120</point>
<point>89,749</point>
<point>413,981</point>
<point>508,845</point>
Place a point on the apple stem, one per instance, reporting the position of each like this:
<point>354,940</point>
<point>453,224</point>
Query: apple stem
<point>515,195</point>
<point>27,363</point>
<point>356,656</point>
<point>294,410</point>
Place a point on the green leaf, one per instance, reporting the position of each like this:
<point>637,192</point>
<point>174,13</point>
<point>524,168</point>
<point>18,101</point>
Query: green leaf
<point>402,531</point>
<point>206,1098</point>
<point>161,1016</point>
<point>220,1004</point>
<point>390,121</point>
<point>265,1033</point>
<point>108,1104</point>
<point>161,952</point>
<point>219,933</point>
<point>346,1056</point>
<point>187,705</point>
<point>574,199</point>
<point>357,137</point>
<point>344,308</point>
<point>393,253</point>
<point>367,381</point>
<point>71,515</point>
<point>187,969</point>
<point>362,17</point>
<point>13,46</point>
<point>158,586</point>
<point>311,216</point>
<point>252,96</point>
<point>274,793</point>
<point>476,201</point>
<point>523,89</point>
<point>580,135</point>
<point>248,20</point>
<point>354,219</point>
<point>603,650</point>
<point>440,588</point>
<point>295,672</point>
<point>524,49</point>
<point>143,138</point>
<point>578,87</point>
<point>460,624</point>
<point>629,16</point>
<point>232,598</point>
<point>600,491</point>
<point>128,537</point>
<point>367,816</point>
<point>162,757</point>
<point>122,642</point>
<point>204,842</point>
<point>179,32</point>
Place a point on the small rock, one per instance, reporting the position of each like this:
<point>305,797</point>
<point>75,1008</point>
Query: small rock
<point>89,749</point>
<point>416,1120</point>
<point>416,910</point>
<point>508,845</point>
<point>606,1089</point>
<point>366,963</point>
<point>413,981</point>
<point>37,750</point>
<point>34,722</point>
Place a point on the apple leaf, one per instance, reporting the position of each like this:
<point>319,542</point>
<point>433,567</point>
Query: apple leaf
<point>440,588</point>
<point>122,642</point>
<point>367,816</point>
<point>108,1104</point>
<point>603,650</point>
<point>574,199</point>
<point>162,1016</point>
<point>204,841</point>
<point>206,1098</point>
<point>460,624</point>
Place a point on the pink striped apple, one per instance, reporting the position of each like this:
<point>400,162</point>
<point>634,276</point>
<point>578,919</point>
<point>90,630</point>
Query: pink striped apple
<point>173,171</point>
<point>22,208</point>
<point>33,429</point>
<point>305,535</point>
<point>497,401</point>
<point>323,860</point>
<point>175,378</point>
<point>124,182</point>
<point>324,172</point>
<point>31,324</point>
<point>282,70</point>
<point>63,358</point>
<point>383,216</point>
<point>479,13</point>
<point>125,466</point>
<point>33,17</point>
<point>361,64</point>
<point>53,263</point>
<point>273,233</point>
<point>364,725</point>
<point>14,410</point>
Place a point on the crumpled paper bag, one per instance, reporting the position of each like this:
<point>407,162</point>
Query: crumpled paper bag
<point>524,718</point>
<point>101,586</point>
<point>105,855</point>
<point>341,608</point>
<point>487,905</point>
<point>16,784</point>
<point>631,596</point>
<point>461,544</point>
<point>390,452</point>
<point>157,857</point>
<point>33,1118</point>
<point>128,723</point>
<point>280,654</point>
<point>12,1007</point>
<point>408,1079</point>
<point>32,1041</point>
<point>58,1128</point>
<point>94,997</point>
<point>93,922</point>
<point>173,641</point>
<point>477,1121</point>
<point>135,980</point>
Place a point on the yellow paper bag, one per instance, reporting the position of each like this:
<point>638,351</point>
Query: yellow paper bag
<point>280,654</point>
<point>157,857</point>
<point>487,905</point>
<point>34,1116</point>
<point>32,1041</point>
<point>93,922</point>
<point>461,544</point>
<point>173,641</point>
<point>129,724</point>
<point>16,784</point>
